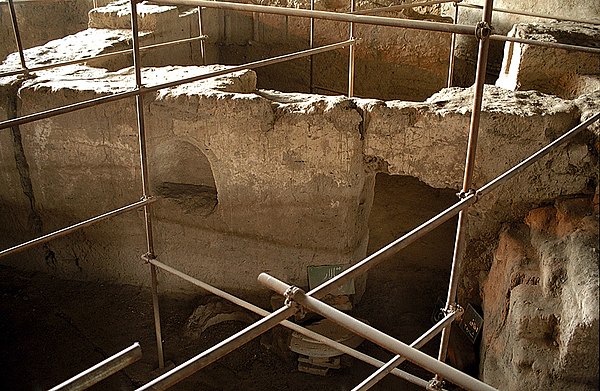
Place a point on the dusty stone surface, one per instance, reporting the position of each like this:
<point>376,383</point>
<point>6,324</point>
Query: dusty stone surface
<point>41,22</point>
<point>117,15</point>
<point>86,43</point>
<point>541,301</point>
<point>556,71</point>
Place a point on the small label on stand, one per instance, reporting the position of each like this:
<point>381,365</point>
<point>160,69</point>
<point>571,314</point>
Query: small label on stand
<point>471,323</point>
<point>319,274</point>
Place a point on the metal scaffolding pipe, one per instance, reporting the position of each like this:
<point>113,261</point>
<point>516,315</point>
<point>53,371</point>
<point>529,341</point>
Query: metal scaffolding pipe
<point>547,44</point>
<point>15,26</point>
<point>292,326</point>
<point>382,372</point>
<point>219,350</point>
<point>400,7</point>
<point>100,56</point>
<point>75,227</point>
<point>102,370</point>
<point>327,15</point>
<point>452,50</point>
<point>372,334</point>
<point>134,92</point>
<point>460,239</point>
<point>364,19</point>
<point>139,106</point>
<point>228,345</point>
<point>392,248</point>
<point>533,14</point>
<point>311,44</point>
<point>351,56</point>
<point>201,33</point>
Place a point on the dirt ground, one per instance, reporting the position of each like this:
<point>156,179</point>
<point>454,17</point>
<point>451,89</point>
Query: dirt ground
<point>52,329</point>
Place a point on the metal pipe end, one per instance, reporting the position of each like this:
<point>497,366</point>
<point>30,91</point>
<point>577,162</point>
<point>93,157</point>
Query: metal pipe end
<point>273,283</point>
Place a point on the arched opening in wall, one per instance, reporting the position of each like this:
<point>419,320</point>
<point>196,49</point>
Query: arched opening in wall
<point>403,292</point>
<point>182,173</point>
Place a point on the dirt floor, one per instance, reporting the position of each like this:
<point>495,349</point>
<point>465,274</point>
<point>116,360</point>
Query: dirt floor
<point>52,329</point>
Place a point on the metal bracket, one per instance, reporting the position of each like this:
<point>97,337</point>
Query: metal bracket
<point>147,257</point>
<point>464,194</point>
<point>291,303</point>
<point>435,385</point>
<point>483,30</point>
<point>454,308</point>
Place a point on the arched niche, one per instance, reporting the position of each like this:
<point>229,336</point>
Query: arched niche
<point>181,172</point>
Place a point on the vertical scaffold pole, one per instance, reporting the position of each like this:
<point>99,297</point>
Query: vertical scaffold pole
<point>139,105</point>
<point>483,32</point>
<point>351,56</point>
<point>311,43</point>
<point>201,33</point>
<point>452,48</point>
<point>15,26</point>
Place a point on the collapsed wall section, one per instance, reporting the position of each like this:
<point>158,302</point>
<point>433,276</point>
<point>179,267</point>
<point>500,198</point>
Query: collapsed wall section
<point>428,140</point>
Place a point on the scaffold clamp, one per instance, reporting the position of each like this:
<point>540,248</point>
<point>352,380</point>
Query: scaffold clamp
<point>435,385</point>
<point>483,30</point>
<point>291,303</point>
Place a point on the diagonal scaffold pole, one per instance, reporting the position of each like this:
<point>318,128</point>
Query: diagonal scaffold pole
<point>461,228</point>
<point>296,296</point>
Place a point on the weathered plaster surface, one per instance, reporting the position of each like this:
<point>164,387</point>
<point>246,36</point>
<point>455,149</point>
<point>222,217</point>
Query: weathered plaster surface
<point>277,170</point>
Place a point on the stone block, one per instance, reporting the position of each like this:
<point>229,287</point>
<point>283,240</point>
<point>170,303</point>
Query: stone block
<point>117,15</point>
<point>553,71</point>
